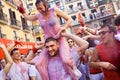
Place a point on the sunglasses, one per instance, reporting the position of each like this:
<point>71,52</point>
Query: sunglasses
<point>103,32</point>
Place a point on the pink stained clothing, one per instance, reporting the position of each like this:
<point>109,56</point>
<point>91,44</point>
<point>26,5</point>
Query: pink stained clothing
<point>2,75</point>
<point>56,69</point>
<point>51,26</point>
<point>117,36</point>
<point>19,71</point>
<point>74,54</point>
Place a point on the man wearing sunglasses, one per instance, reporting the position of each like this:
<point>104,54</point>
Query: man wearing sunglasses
<point>107,53</point>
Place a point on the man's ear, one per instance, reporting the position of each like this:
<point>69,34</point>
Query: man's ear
<point>57,44</point>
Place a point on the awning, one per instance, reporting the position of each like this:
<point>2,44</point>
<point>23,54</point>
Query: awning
<point>23,48</point>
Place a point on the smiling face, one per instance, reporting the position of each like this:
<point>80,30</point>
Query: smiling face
<point>105,34</point>
<point>70,42</point>
<point>16,55</point>
<point>52,48</point>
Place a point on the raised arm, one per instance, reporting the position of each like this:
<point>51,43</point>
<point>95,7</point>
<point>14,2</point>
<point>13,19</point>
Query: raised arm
<point>21,9</point>
<point>30,17</point>
<point>62,14</point>
<point>82,44</point>
<point>8,59</point>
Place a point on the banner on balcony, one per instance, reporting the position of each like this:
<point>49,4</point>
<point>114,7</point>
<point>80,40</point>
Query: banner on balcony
<point>23,48</point>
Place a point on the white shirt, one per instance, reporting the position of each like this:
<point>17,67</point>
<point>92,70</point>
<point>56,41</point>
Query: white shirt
<point>19,71</point>
<point>34,72</point>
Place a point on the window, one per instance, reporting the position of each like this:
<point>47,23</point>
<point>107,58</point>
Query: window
<point>56,3</point>
<point>102,2</point>
<point>83,14</point>
<point>73,17</point>
<point>29,0</point>
<point>24,23</point>
<point>0,30</point>
<point>15,35</point>
<point>12,17</point>
<point>36,29</point>
<point>93,10</point>
<point>38,39</point>
<point>80,6</point>
<point>1,13</point>
<point>26,38</point>
<point>71,7</point>
<point>30,6</point>
<point>62,21</point>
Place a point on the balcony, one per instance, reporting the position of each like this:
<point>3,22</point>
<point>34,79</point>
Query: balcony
<point>70,1</point>
<point>73,10</point>
<point>99,15</point>
<point>15,24</point>
<point>3,18</point>
<point>2,35</point>
<point>36,30</point>
<point>27,40</point>
<point>1,4</point>
<point>26,28</point>
<point>10,2</point>
<point>93,4</point>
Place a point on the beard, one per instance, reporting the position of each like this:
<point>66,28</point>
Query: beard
<point>54,54</point>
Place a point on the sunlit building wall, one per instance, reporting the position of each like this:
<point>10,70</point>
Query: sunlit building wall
<point>12,23</point>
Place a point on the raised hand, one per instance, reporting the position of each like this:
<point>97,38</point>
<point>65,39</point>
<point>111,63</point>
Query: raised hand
<point>62,30</point>
<point>17,2</point>
<point>2,45</point>
<point>19,5</point>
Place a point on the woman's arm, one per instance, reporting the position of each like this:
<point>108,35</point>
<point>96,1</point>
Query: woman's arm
<point>21,9</point>
<point>62,14</point>
<point>30,17</point>
<point>8,59</point>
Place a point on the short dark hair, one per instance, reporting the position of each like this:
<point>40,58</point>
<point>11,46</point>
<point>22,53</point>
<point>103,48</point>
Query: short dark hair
<point>50,39</point>
<point>13,50</point>
<point>117,21</point>
<point>111,28</point>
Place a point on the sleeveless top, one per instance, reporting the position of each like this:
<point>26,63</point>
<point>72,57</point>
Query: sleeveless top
<point>49,25</point>
<point>111,55</point>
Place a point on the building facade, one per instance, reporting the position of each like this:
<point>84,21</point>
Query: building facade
<point>13,26</point>
<point>94,12</point>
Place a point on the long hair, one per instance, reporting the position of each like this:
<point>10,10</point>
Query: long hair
<point>45,3</point>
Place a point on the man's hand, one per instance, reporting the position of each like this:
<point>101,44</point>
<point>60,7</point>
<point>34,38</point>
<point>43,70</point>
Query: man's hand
<point>63,29</point>
<point>2,45</point>
<point>107,65</point>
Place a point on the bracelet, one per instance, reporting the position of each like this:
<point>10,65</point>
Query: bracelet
<point>21,9</point>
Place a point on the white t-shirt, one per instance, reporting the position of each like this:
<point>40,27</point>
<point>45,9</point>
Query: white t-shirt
<point>117,37</point>
<point>34,72</point>
<point>19,71</point>
<point>2,75</point>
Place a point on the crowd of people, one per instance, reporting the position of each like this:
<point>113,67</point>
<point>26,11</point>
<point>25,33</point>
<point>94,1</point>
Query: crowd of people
<point>64,56</point>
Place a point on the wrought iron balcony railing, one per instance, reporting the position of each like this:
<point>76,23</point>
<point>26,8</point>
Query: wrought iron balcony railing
<point>3,18</point>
